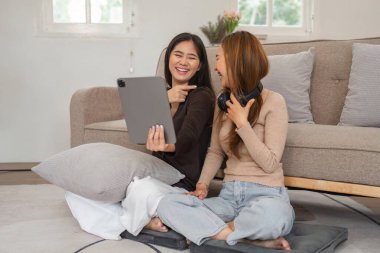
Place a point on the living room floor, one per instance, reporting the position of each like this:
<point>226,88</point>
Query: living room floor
<point>361,215</point>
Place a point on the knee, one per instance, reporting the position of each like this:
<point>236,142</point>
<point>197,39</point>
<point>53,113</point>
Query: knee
<point>277,218</point>
<point>166,203</point>
<point>173,202</point>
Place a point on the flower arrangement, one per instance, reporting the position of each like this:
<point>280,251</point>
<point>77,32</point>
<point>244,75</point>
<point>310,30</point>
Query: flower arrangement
<point>231,20</point>
<point>225,24</point>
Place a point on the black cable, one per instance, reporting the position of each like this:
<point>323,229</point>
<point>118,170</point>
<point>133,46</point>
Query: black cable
<point>350,207</point>
<point>152,247</point>
<point>79,250</point>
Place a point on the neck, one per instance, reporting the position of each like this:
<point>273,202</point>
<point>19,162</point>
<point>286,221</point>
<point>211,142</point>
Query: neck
<point>179,83</point>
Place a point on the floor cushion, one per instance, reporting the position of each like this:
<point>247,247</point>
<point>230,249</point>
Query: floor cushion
<point>305,238</point>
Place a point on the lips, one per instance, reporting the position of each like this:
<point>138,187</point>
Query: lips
<point>182,71</point>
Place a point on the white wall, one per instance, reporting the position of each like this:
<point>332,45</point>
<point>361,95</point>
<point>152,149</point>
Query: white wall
<point>346,19</point>
<point>38,75</point>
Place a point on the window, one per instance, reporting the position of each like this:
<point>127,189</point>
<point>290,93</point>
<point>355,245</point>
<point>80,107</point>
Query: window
<point>116,18</point>
<point>276,17</point>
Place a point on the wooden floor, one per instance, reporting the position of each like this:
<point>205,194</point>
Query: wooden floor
<point>20,177</point>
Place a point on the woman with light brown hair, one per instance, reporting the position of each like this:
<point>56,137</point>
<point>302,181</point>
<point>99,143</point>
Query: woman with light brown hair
<point>250,129</point>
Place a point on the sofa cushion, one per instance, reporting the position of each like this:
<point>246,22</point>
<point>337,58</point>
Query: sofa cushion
<point>103,171</point>
<point>361,107</point>
<point>335,153</point>
<point>114,131</point>
<point>289,75</point>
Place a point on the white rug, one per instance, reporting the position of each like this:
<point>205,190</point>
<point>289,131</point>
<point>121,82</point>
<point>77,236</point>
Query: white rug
<point>35,218</point>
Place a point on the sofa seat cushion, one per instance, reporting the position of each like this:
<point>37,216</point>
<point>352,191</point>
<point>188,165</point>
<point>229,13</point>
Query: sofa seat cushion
<point>114,125</point>
<point>336,153</point>
<point>114,131</point>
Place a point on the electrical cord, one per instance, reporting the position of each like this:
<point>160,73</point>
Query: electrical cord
<point>353,209</point>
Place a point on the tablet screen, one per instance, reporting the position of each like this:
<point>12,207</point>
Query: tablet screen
<point>145,104</point>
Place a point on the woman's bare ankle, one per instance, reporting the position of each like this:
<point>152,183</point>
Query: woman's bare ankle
<point>222,235</point>
<point>156,225</point>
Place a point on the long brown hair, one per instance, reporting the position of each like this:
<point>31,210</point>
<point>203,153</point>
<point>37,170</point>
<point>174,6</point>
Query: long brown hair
<point>247,64</point>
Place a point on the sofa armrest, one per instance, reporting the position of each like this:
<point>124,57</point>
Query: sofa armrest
<point>91,105</point>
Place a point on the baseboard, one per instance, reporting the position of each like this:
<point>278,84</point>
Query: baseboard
<point>17,166</point>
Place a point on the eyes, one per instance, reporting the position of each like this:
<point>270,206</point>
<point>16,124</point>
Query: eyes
<point>189,57</point>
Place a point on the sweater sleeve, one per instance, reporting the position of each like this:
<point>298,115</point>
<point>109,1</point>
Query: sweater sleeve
<point>215,154</point>
<point>268,154</point>
<point>200,109</point>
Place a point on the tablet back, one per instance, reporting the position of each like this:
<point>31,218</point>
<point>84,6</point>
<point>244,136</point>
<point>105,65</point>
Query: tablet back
<point>145,104</point>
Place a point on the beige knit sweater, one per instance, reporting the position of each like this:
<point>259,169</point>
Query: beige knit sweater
<point>262,150</point>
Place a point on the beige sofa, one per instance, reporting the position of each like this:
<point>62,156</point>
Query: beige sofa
<point>320,156</point>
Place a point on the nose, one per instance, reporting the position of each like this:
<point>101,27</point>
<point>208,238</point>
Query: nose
<point>183,61</point>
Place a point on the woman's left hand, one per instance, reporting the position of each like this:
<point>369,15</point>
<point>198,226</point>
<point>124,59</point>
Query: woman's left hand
<point>156,140</point>
<point>237,113</point>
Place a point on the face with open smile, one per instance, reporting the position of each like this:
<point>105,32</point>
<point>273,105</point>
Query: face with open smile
<point>183,62</point>
<point>221,68</point>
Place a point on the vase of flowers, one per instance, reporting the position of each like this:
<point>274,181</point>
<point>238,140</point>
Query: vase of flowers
<point>231,20</point>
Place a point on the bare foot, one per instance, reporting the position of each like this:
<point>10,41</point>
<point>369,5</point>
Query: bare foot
<point>156,225</point>
<point>222,235</point>
<point>279,243</point>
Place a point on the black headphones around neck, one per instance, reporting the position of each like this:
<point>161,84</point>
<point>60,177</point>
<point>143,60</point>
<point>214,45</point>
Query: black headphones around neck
<point>243,98</point>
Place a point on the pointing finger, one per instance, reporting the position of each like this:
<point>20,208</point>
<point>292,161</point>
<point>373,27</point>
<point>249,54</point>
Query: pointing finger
<point>189,87</point>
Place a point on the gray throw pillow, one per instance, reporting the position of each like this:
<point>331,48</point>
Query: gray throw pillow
<point>103,171</point>
<point>290,75</point>
<point>362,104</point>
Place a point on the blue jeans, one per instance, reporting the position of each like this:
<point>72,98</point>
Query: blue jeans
<point>259,212</point>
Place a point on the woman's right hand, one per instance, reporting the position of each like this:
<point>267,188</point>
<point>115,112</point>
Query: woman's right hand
<point>201,191</point>
<point>178,93</point>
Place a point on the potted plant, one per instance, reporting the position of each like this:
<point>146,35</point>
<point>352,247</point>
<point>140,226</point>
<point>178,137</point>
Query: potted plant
<point>215,31</point>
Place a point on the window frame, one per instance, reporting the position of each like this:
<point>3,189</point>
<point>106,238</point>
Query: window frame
<point>127,29</point>
<point>305,29</point>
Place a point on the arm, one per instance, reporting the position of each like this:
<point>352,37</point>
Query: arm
<point>213,161</point>
<point>198,114</point>
<point>268,154</point>
<point>215,154</point>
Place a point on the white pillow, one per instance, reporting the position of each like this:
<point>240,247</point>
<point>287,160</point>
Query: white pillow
<point>290,75</point>
<point>103,171</point>
<point>96,217</point>
<point>362,104</point>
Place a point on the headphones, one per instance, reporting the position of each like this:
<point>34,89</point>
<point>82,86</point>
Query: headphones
<point>243,99</point>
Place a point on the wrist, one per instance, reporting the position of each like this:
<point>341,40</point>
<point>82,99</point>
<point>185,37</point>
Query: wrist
<point>241,124</point>
<point>202,184</point>
<point>170,148</point>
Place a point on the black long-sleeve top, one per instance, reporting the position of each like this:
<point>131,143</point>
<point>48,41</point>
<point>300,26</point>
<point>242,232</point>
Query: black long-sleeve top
<point>193,123</point>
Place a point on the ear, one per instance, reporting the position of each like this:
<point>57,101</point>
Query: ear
<point>199,67</point>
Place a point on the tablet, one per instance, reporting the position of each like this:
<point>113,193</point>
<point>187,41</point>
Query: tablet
<point>145,104</point>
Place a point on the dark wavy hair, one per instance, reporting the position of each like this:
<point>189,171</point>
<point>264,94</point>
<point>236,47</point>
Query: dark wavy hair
<point>202,77</point>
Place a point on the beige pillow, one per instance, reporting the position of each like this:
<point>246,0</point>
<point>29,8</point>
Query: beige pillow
<point>103,171</point>
<point>289,75</point>
<point>362,104</point>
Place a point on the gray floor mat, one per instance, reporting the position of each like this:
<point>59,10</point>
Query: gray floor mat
<point>305,238</point>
